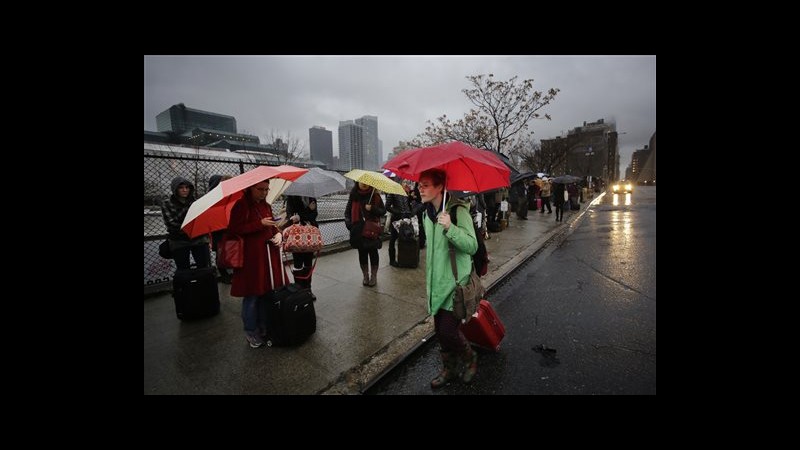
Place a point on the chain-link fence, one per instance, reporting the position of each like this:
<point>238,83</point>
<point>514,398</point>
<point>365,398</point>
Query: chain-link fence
<point>163,163</point>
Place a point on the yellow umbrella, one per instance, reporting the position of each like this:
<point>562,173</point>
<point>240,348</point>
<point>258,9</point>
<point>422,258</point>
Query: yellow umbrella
<point>377,180</point>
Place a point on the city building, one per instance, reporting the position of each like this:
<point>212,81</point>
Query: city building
<point>643,163</point>
<point>591,150</point>
<point>181,125</point>
<point>179,119</point>
<point>372,153</point>
<point>321,145</point>
<point>351,145</point>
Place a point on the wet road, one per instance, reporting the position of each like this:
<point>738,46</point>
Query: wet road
<point>580,317</point>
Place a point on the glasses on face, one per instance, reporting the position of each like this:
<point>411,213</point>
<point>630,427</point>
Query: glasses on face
<point>262,189</point>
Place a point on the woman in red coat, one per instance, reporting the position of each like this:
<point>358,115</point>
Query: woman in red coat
<point>251,219</point>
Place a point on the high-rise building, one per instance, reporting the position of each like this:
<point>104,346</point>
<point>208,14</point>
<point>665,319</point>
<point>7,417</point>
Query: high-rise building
<point>351,145</point>
<point>321,143</point>
<point>372,157</point>
<point>178,119</point>
<point>588,150</point>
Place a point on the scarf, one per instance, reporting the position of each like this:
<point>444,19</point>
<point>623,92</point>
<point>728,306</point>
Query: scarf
<point>355,209</point>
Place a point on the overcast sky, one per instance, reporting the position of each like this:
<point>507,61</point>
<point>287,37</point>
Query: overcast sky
<point>293,93</point>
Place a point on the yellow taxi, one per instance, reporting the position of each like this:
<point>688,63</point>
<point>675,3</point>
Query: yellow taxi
<point>622,186</point>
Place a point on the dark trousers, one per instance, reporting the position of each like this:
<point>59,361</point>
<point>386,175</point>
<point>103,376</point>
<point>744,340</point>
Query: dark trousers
<point>421,231</point>
<point>559,211</point>
<point>392,240</point>
<point>450,336</point>
<point>373,256</point>
<point>522,209</point>
<point>546,202</point>
<point>302,268</point>
<point>201,254</point>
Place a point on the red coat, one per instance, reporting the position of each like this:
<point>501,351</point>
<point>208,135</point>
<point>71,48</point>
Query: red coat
<point>253,278</point>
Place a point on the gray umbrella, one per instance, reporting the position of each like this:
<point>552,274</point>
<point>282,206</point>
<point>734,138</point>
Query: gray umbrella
<point>314,183</point>
<point>564,179</point>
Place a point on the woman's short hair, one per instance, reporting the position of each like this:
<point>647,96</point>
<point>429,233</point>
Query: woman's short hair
<point>437,176</point>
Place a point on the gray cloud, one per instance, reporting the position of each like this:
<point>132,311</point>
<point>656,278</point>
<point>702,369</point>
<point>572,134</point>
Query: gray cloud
<point>294,93</point>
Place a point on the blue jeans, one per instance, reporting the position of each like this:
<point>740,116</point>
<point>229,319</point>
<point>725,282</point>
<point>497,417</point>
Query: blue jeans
<point>254,313</point>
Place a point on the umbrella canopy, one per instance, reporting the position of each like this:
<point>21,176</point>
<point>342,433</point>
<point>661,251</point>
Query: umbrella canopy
<point>467,168</point>
<point>522,176</point>
<point>566,179</point>
<point>315,183</point>
<point>212,211</point>
<point>376,180</point>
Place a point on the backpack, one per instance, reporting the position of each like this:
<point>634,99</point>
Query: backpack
<point>480,260</point>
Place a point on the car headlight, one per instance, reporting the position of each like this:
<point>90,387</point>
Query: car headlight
<point>629,187</point>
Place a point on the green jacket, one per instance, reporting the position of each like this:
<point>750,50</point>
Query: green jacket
<point>439,281</point>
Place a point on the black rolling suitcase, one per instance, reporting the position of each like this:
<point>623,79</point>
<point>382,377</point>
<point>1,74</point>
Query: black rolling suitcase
<point>195,293</point>
<point>408,253</point>
<point>291,317</point>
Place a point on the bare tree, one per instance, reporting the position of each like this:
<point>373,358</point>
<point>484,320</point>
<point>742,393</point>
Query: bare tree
<point>503,109</point>
<point>523,152</point>
<point>553,158</point>
<point>403,146</point>
<point>288,148</point>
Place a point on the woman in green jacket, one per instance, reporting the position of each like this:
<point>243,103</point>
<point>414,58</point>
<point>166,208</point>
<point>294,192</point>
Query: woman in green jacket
<point>439,280</point>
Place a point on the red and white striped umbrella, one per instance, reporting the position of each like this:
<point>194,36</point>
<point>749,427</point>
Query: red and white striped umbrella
<point>212,211</point>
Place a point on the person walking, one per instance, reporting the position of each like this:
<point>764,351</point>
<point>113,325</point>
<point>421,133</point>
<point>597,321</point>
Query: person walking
<point>173,211</point>
<point>252,220</point>
<point>558,200</point>
<point>546,196</point>
<point>439,281</point>
<point>363,206</point>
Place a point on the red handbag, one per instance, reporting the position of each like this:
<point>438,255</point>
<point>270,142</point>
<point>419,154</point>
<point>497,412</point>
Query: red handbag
<point>302,239</point>
<point>372,229</point>
<point>230,252</point>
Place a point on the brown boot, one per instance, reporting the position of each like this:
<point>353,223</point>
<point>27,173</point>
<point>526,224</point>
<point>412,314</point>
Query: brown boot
<point>374,277</point>
<point>449,370</point>
<point>366,275</point>
<point>470,359</point>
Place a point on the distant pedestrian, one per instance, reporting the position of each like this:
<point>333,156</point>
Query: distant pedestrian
<point>364,205</point>
<point>173,211</point>
<point>546,196</point>
<point>439,281</point>
<point>558,200</point>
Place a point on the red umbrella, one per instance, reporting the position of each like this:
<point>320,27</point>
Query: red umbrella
<point>212,211</point>
<point>467,168</point>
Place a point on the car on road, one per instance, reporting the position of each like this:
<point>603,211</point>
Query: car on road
<point>622,186</point>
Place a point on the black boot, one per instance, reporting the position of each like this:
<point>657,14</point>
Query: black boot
<point>374,276</point>
<point>365,272</point>
<point>449,369</point>
<point>470,359</point>
<point>392,255</point>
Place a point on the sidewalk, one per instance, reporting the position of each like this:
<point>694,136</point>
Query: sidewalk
<point>361,330</point>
